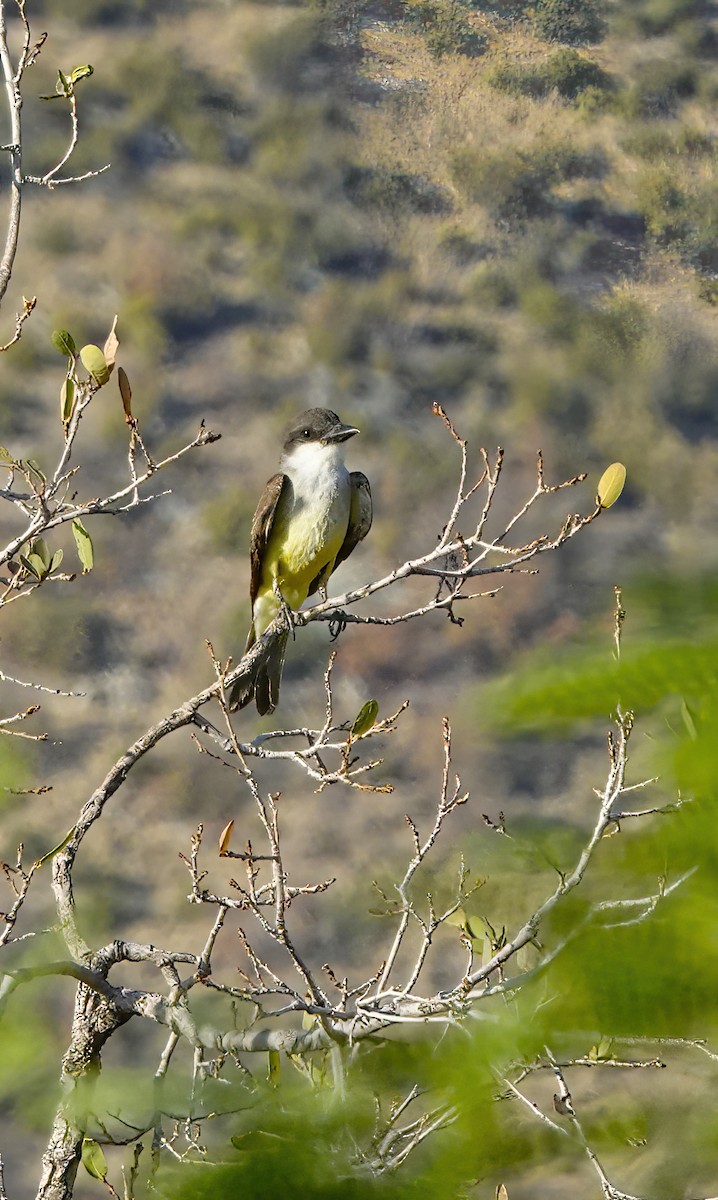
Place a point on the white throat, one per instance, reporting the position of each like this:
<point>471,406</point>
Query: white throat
<point>315,469</point>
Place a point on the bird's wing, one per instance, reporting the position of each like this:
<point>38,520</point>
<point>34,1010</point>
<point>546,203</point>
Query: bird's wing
<point>262,527</point>
<point>360,516</point>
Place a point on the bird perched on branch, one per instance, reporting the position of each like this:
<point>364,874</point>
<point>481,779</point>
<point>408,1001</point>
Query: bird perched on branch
<point>310,517</point>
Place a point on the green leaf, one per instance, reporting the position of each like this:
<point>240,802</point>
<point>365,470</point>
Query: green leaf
<point>67,399</point>
<point>365,718</point>
<point>604,1049</point>
<point>93,360</point>
<point>40,862</point>
<point>6,457</point>
<point>37,565</point>
<point>458,918</point>
<point>29,567</point>
<point>83,541</point>
<point>56,560</point>
<point>611,484</point>
<point>63,342</point>
<point>688,720</point>
<point>81,73</point>
<point>36,469</point>
<point>40,547</point>
<point>93,1159</point>
<point>274,1068</point>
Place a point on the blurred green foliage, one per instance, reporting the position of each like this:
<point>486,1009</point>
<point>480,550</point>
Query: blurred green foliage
<point>571,21</point>
<point>14,769</point>
<point>445,27</point>
<point>565,71</point>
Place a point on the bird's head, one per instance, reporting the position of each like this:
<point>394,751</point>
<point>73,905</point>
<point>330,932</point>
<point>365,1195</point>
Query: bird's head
<point>317,433</point>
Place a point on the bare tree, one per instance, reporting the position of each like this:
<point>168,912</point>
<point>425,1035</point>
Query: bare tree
<point>279,980</point>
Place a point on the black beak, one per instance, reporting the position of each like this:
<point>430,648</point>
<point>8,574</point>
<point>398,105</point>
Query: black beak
<point>340,433</point>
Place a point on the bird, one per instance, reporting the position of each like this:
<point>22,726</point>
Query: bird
<point>310,517</point>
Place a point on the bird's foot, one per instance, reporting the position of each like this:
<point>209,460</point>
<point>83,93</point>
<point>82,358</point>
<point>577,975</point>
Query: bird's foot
<point>285,609</point>
<point>337,625</point>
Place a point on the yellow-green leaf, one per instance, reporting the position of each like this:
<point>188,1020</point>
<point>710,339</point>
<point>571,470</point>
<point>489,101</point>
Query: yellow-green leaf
<point>67,399</point>
<point>125,391</point>
<point>40,862</point>
<point>40,547</point>
<point>365,718</point>
<point>30,567</point>
<point>83,72</point>
<point>38,566</point>
<point>93,360</point>
<point>274,1068</point>
<point>6,457</point>
<point>56,560</point>
<point>63,342</point>
<point>688,721</point>
<point>83,541</point>
<point>458,918</point>
<point>93,1159</point>
<point>36,469</point>
<point>611,485</point>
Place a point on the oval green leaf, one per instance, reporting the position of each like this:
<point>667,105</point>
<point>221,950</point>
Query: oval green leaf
<point>93,360</point>
<point>38,566</point>
<point>93,1159</point>
<point>63,342</point>
<point>40,547</point>
<point>365,718</point>
<point>56,560</point>
<point>611,485</point>
<point>67,399</point>
<point>83,541</point>
<point>29,567</point>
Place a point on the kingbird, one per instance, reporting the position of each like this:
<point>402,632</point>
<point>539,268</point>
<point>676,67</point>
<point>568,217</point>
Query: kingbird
<point>310,517</point>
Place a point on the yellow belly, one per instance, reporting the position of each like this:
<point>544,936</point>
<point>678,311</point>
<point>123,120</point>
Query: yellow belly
<point>301,545</point>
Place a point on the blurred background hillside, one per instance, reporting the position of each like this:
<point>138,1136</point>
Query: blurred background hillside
<point>509,209</point>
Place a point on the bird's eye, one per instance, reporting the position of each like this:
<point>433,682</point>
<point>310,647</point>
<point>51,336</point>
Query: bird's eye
<point>306,433</point>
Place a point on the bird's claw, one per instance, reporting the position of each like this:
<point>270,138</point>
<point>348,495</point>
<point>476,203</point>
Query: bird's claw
<point>285,609</point>
<point>337,625</point>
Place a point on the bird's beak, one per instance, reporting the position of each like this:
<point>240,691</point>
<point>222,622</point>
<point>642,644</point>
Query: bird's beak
<point>340,433</point>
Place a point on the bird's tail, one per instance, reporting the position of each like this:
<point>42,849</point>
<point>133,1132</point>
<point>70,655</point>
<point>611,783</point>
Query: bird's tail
<point>243,689</point>
<point>264,684</point>
<point>269,676</point>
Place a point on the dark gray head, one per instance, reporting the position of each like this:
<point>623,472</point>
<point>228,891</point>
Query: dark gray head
<point>316,425</point>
